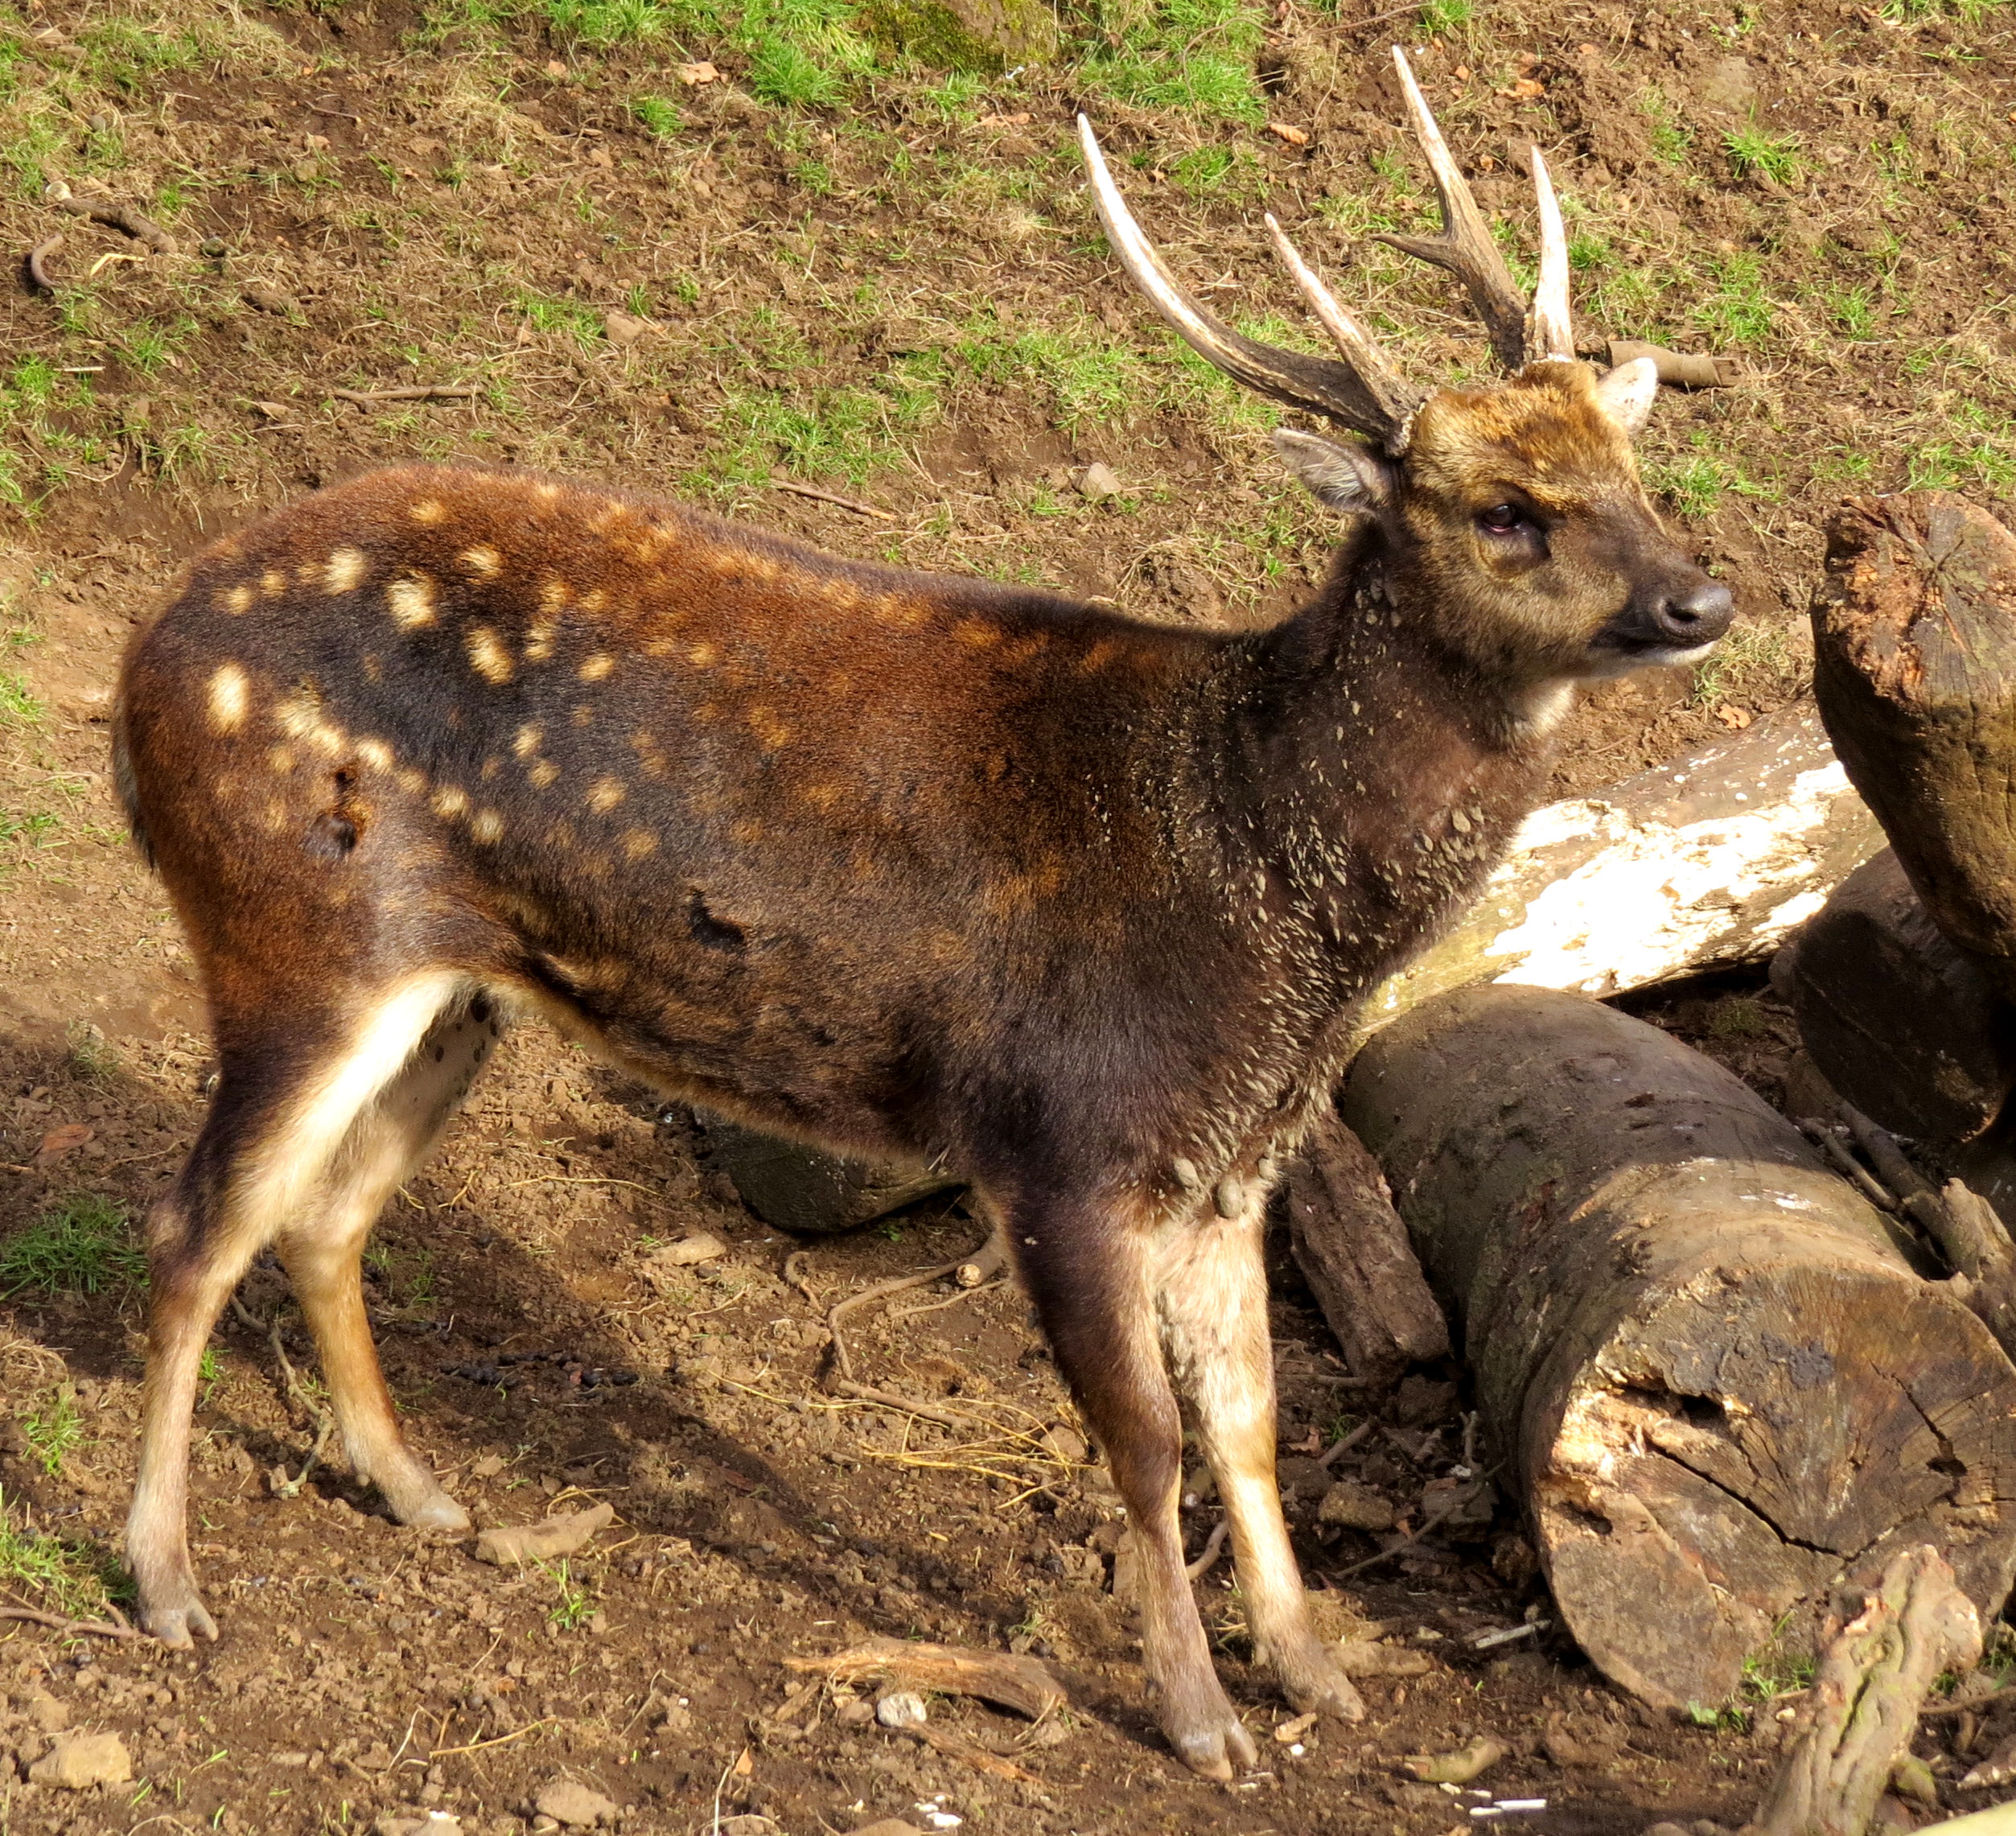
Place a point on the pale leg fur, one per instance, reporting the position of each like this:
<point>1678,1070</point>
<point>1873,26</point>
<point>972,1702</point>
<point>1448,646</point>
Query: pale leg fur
<point>1213,1296</point>
<point>1095,1291</point>
<point>322,1251</point>
<point>253,1169</point>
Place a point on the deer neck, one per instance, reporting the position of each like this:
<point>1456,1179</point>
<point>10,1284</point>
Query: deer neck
<point>1372,774</point>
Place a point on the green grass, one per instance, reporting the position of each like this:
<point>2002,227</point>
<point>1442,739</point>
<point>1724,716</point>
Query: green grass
<point>554,312</point>
<point>83,1246</point>
<point>657,117</point>
<point>54,1430</point>
<point>53,1573</point>
<point>1968,12</point>
<point>844,433</point>
<point>1203,170</point>
<point>1447,18</point>
<point>1737,311</point>
<point>32,824</point>
<point>1696,482</point>
<point>1671,140</point>
<point>1195,56</point>
<point>1773,156</point>
<point>574,1604</point>
<point>1753,658</point>
<point>17,704</point>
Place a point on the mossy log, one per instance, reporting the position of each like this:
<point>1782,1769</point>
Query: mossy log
<point>1915,671</point>
<point>1705,1363</point>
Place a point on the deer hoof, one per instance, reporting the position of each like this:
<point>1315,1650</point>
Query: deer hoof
<point>1319,1686</point>
<point>179,1625</point>
<point>1214,1745</point>
<point>439,1512</point>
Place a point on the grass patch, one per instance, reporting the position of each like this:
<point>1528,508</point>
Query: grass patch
<point>55,1575</point>
<point>657,117</point>
<point>1195,56</point>
<point>1696,482</point>
<point>1980,451</point>
<point>1672,139</point>
<point>1739,312</point>
<point>573,1605</point>
<point>1753,660</point>
<point>1447,18</point>
<point>54,1430</point>
<point>1773,156</point>
<point>83,1246</point>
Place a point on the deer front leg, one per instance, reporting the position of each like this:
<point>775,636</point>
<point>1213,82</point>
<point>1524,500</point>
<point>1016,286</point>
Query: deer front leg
<point>1214,1315</point>
<point>1093,1291</point>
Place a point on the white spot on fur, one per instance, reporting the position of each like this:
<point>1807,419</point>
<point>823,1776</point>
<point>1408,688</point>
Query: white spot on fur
<point>344,570</point>
<point>229,692</point>
<point>483,561</point>
<point>604,794</point>
<point>487,656</point>
<point>410,602</point>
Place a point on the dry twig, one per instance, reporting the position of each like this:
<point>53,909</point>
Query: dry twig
<point>122,217</point>
<point>421,392</point>
<point>38,276</point>
<point>97,1628</point>
<point>859,508</point>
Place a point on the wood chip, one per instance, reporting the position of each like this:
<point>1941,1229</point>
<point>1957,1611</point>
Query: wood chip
<point>1022,1684</point>
<point>1293,136</point>
<point>512,1543</point>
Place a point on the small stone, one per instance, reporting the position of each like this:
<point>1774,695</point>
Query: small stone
<point>854,1713</point>
<point>1354,1507</point>
<point>702,1246</point>
<point>901,1708</point>
<point>568,1801</point>
<point>1097,482</point>
<point>1067,1446</point>
<point>748,1824</point>
<point>1667,1829</point>
<point>214,248</point>
<point>78,1761</point>
<point>624,329</point>
<point>47,1713</point>
<point>488,1467</point>
<point>1456,1769</point>
<point>889,1826</point>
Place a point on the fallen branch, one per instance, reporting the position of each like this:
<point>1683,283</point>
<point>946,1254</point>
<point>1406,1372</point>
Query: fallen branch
<point>971,1752</point>
<point>297,1392</point>
<point>57,1622</point>
<point>418,391</point>
<point>1213,1545</point>
<point>122,217</point>
<point>1874,1673</point>
<point>970,1271</point>
<point>859,508</point>
<point>38,275</point>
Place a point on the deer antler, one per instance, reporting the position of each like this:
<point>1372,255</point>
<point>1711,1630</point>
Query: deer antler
<point>1465,247</point>
<point>1554,331</point>
<point>1364,393</point>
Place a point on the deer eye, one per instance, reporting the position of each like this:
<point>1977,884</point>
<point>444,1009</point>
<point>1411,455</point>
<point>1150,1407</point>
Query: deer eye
<point>1501,518</point>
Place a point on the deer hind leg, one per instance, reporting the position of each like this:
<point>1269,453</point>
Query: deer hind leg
<point>323,1247</point>
<point>1213,1304</point>
<point>285,1106</point>
<point>1094,1291</point>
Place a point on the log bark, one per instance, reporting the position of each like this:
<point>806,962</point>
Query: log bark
<point>1703,1359</point>
<point>1872,1676</point>
<point>800,1189</point>
<point>1915,671</point>
<point>1352,1249</point>
<point>1900,1023</point>
<point>1704,863</point>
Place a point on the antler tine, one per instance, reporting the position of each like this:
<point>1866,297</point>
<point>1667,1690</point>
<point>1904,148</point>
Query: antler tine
<point>1361,350</point>
<point>1316,384</point>
<point>1553,329</point>
<point>1465,247</point>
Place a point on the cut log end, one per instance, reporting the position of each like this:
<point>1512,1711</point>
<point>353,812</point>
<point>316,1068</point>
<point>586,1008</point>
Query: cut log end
<point>1746,1444</point>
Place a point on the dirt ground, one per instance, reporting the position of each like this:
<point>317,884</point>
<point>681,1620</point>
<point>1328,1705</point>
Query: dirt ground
<point>613,226</point>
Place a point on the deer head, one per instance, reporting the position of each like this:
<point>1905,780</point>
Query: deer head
<point>1518,532</point>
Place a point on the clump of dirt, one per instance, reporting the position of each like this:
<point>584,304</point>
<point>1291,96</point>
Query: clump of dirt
<point>639,260</point>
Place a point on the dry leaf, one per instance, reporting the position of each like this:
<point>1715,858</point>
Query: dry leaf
<point>61,1142</point>
<point>1527,90</point>
<point>1734,718</point>
<point>1294,136</point>
<point>692,75</point>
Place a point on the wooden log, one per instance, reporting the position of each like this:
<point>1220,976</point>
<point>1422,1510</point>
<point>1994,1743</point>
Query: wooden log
<point>1702,1359</point>
<point>1352,1249</point>
<point>1873,1675</point>
<point>1915,670</point>
<point>1705,863</point>
<point>1900,1023</point>
<point>801,1189</point>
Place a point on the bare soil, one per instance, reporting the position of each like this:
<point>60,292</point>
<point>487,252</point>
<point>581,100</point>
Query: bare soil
<point>899,299</point>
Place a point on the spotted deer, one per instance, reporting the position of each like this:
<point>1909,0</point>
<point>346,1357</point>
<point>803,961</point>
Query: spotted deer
<point>897,864</point>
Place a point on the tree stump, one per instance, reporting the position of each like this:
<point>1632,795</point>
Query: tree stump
<point>1914,669</point>
<point>1703,1359</point>
<point>1353,1251</point>
<point>1900,1023</point>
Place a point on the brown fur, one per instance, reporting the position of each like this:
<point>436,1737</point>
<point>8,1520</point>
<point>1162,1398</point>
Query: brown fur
<point>896,864</point>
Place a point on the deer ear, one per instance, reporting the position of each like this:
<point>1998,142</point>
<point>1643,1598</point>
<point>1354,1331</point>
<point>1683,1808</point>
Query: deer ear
<point>1627,393</point>
<point>1350,480</point>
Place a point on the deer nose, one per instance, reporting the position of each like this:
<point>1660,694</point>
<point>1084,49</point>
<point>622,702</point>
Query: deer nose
<point>1696,614</point>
